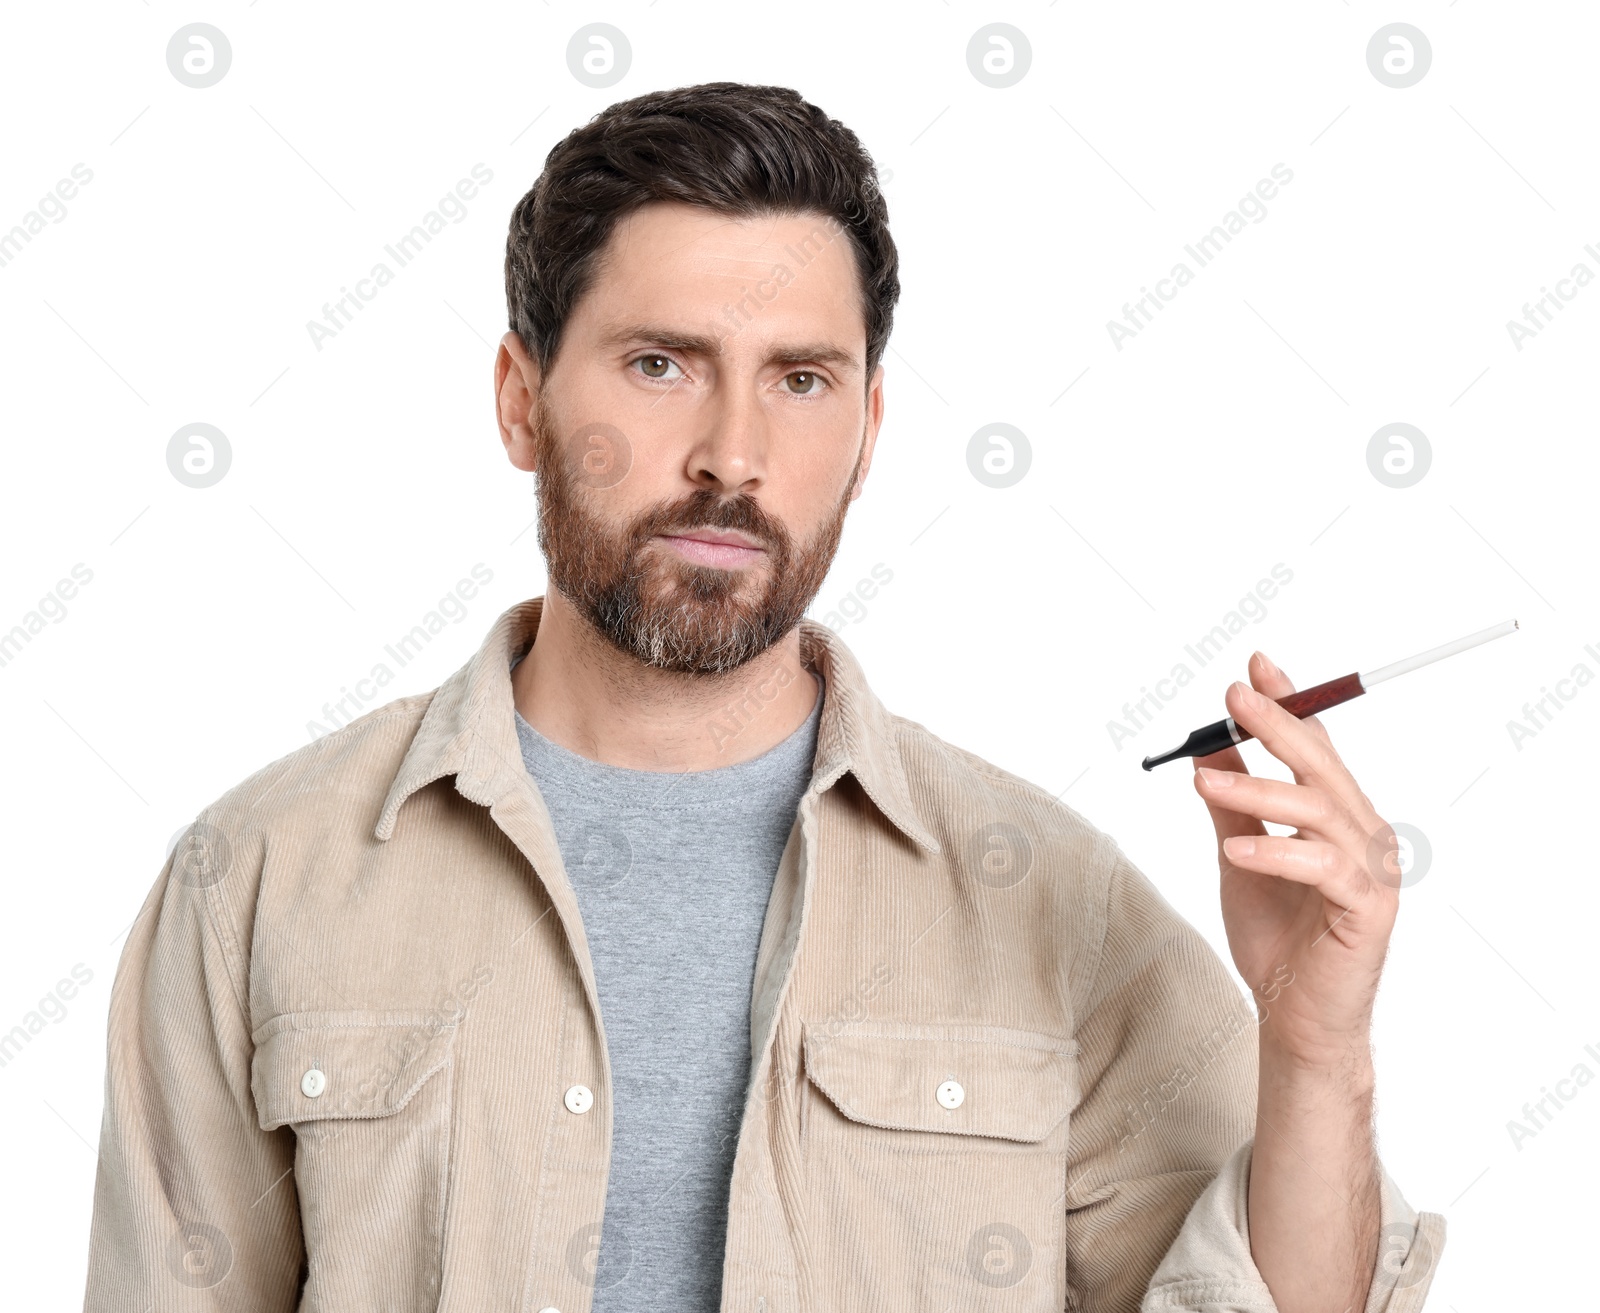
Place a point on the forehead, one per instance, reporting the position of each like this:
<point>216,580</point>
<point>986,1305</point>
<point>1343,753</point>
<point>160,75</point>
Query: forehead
<point>683,264</point>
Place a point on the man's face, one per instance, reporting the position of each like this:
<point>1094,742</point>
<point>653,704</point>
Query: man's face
<point>702,432</point>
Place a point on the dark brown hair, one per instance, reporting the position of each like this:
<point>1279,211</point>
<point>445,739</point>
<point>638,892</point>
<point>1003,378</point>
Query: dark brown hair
<point>729,147</point>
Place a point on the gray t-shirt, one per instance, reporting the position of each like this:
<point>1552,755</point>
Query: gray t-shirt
<point>672,871</point>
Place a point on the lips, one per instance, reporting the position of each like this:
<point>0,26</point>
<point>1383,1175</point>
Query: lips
<point>719,548</point>
<point>718,537</point>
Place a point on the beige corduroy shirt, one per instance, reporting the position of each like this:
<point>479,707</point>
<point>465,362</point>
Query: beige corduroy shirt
<point>356,1061</point>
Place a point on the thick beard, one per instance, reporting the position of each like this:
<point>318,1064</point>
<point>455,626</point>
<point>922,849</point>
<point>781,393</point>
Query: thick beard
<point>645,600</point>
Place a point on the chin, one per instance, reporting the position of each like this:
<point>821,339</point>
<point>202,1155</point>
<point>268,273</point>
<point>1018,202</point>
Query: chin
<point>707,578</point>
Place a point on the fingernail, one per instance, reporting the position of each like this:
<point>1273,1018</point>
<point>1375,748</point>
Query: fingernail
<point>1216,779</point>
<point>1249,695</point>
<point>1267,663</point>
<point>1239,845</point>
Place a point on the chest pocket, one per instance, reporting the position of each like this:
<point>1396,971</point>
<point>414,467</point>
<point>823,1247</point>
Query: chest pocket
<point>368,1096</point>
<point>938,1154</point>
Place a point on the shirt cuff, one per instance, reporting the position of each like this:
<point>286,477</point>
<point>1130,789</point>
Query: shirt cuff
<point>1209,1269</point>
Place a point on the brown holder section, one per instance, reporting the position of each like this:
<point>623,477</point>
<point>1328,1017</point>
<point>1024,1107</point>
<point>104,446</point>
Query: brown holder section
<point>1309,701</point>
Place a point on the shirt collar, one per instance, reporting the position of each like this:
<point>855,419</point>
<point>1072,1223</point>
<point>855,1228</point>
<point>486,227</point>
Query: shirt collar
<point>469,731</point>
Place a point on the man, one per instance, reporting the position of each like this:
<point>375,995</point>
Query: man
<point>651,963</point>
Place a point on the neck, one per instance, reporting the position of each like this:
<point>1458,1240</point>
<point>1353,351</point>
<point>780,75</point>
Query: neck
<point>582,693</point>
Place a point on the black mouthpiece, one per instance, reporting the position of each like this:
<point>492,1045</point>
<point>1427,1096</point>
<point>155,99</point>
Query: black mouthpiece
<point>1202,743</point>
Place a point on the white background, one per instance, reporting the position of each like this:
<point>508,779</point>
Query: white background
<point>1166,477</point>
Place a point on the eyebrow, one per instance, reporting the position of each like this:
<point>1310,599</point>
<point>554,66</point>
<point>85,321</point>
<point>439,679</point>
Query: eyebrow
<point>704,344</point>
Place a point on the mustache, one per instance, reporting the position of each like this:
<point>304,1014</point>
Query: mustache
<point>705,509</point>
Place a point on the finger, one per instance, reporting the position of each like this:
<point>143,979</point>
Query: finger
<point>1323,866</point>
<point>1305,752</point>
<point>1276,689</point>
<point>1308,809</point>
<point>1267,678</point>
<point>1225,821</point>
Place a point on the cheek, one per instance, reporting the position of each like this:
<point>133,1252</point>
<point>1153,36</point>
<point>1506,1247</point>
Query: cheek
<point>821,473</point>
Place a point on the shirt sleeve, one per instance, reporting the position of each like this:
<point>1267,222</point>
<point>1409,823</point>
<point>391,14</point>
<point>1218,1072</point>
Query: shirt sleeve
<point>1215,1239</point>
<point>194,1204</point>
<point>1158,1173</point>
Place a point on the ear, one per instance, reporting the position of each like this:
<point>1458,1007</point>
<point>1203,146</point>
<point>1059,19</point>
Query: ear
<point>874,423</point>
<point>516,390</point>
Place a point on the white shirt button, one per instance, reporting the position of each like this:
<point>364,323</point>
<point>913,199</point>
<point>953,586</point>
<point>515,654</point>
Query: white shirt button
<point>550,1308</point>
<point>313,1083</point>
<point>579,1099</point>
<point>950,1094</point>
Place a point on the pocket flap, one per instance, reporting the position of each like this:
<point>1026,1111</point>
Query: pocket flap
<point>371,1063</point>
<point>1009,1084</point>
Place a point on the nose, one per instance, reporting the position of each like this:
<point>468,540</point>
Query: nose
<point>730,449</point>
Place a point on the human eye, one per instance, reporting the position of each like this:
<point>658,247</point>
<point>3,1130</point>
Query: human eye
<point>656,366</point>
<point>811,383</point>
